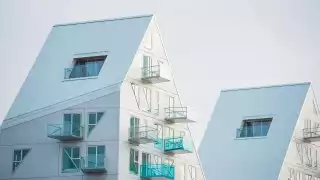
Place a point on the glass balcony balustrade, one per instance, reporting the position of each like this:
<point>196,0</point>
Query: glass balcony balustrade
<point>175,145</point>
<point>252,131</point>
<point>94,163</point>
<point>151,74</point>
<point>177,115</point>
<point>142,135</point>
<point>150,171</point>
<point>65,131</point>
<point>81,71</point>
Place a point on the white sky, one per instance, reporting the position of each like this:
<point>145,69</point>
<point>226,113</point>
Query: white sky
<point>211,44</point>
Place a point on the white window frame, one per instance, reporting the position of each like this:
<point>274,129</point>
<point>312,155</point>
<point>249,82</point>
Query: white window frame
<point>192,172</point>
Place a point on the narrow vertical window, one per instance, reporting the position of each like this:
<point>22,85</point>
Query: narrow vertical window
<point>192,172</point>
<point>136,92</point>
<point>72,124</point>
<point>156,103</point>
<point>147,95</point>
<point>18,156</point>
<point>134,161</point>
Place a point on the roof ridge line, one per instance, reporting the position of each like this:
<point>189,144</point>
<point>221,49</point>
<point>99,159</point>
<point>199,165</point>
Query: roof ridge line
<point>103,20</point>
<point>269,86</point>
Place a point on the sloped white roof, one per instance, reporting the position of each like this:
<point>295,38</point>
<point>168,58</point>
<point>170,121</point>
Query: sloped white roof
<point>45,85</point>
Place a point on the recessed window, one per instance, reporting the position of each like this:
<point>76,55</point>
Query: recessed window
<point>85,67</point>
<point>134,161</point>
<point>254,128</point>
<point>71,159</point>
<point>18,156</point>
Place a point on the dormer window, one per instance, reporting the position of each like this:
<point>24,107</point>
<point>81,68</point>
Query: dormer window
<point>85,67</point>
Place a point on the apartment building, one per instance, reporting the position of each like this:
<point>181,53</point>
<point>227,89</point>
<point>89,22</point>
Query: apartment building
<point>100,103</point>
<point>263,133</point>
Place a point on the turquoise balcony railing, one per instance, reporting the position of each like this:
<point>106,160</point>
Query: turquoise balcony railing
<point>176,145</point>
<point>152,74</point>
<point>142,135</point>
<point>157,171</point>
<point>65,131</point>
<point>94,163</point>
<point>177,115</point>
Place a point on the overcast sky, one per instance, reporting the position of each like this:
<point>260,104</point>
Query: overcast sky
<point>211,44</point>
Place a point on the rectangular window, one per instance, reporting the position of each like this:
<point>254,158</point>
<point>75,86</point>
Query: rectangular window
<point>147,95</point>
<point>94,118</point>
<point>85,67</point>
<point>96,155</point>
<point>192,172</point>
<point>18,156</point>
<point>146,158</point>
<point>136,92</point>
<point>254,127</point>
<point>134,161</point>
<point>71,159</point>
<point>72,124</point>
<point>156,103</point>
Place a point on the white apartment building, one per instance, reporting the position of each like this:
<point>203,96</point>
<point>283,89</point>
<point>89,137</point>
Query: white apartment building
<point>263,133</point>
<point>99,103</point>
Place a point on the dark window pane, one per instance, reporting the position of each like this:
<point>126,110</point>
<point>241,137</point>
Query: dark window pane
<point>91,150</point>
<point>25,152</point>
<point>17,155</point>
<point>256,128</point>
<point>92,118</point>
<point>90,128</point>
<point>15,165</point>
<point>75,152</point>
<point>101,149</point>
<point>67,118</point>
<point>100,114</point>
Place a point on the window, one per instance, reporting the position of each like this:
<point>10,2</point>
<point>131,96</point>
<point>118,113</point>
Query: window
<point>71,159</point>
<point>134,161</point>
<point>18,156</point>
<point>156,103</point>
<point>94,118</point>
<point>96,155</point>
<point>147,95</point>
<point>136,90</point>
<point>85,67</point>
<point>146,158</point>
<point>192,172</point>
<point>315,109</point>
<point>72,124</point>
<point>254,128</point>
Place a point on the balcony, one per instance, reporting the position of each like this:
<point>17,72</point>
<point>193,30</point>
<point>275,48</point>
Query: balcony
<point>94,164</point>
<point>65,132</point>
<point>82,71</point>
<point>142,135</point>
<point>177,115</point>
<point>156,171</point>
<point>311,134</point>
<point>252,131</point>
<point>177,145</point>
<point>152,75</point>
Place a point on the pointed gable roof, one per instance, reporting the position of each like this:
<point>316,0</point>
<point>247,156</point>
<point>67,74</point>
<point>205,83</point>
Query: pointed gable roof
<point>119,39</point>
